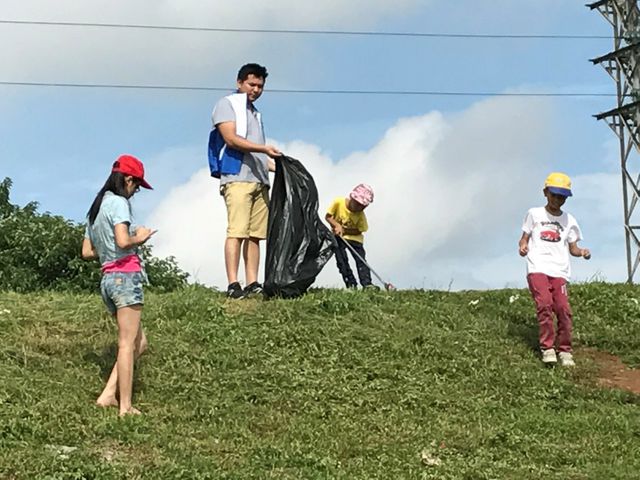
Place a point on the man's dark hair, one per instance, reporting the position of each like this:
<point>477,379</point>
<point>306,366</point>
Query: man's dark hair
<point>252,69</point>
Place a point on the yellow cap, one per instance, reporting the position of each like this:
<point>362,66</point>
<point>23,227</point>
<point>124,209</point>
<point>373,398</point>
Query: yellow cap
<point>558,183</point>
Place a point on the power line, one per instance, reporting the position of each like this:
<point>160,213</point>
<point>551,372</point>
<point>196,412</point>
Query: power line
<point>310,91</point>
<point>314,32</point>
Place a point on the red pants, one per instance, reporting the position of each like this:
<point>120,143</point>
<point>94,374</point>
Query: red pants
<point>550,295</point>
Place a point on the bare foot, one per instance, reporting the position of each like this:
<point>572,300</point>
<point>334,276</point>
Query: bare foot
<point>131,411</point>
<point>107,402</point>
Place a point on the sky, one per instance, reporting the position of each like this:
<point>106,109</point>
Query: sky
<point>453,175</point>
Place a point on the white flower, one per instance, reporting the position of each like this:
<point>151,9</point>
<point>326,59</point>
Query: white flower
<point>428,459</point>
<point>513,298</point>
<point>474,302</point>
<point>62,451</point>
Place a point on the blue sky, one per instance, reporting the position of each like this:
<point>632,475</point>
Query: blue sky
<point>483,160</point>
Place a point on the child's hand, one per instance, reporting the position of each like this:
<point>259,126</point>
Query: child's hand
<point>523,249</point>
<point>144,233</point>
<point>338,230</point>
<point>586,254</point>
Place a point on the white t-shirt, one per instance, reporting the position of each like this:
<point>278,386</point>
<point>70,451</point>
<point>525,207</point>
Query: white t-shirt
<point>549,242</point>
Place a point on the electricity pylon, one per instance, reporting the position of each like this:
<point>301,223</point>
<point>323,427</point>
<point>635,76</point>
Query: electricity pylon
<point>623,65</point>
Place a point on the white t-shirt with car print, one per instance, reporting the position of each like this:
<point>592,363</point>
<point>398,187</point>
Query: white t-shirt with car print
<point>549,242</point>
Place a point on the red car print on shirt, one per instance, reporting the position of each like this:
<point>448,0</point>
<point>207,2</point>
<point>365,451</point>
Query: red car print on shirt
<point>550,236</point>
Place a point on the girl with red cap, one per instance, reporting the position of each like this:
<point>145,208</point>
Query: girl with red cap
<point>111,237</point>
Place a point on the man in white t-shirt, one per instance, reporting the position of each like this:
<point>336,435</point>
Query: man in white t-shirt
<point>549,235</point>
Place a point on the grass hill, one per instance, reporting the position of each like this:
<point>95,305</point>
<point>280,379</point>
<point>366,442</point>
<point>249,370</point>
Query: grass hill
<point>337,384</point>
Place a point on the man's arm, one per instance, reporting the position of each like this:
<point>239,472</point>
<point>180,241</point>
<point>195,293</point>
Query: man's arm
<point>233,140</point>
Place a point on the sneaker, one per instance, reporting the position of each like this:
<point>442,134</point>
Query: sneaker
<point>549,356</point>
<point>371,287</point>
<point>253,289</point>
<point>234,290</point>
<point>566,359</point>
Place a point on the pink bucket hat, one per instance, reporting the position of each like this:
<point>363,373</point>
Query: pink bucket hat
<point>363,194</point>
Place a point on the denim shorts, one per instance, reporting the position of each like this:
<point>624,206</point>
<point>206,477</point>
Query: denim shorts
<point>121,289</point>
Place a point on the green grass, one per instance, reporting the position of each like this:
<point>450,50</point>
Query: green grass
<point>333,385</point>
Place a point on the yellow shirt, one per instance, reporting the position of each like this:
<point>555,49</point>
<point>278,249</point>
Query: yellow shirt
<point>348,219</point>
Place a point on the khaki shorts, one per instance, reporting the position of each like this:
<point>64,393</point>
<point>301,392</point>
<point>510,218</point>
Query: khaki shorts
<point>247,209</point>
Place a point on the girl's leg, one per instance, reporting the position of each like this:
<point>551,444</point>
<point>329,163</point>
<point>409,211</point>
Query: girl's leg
<point>108,397</point>
<point>128,328</point>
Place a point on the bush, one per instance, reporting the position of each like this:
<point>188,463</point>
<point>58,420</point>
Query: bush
<point>41,251</point>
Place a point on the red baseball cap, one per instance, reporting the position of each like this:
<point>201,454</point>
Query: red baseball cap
<point>130,165</point>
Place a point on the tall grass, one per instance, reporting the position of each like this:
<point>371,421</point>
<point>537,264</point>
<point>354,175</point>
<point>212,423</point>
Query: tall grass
<point>337,384</point>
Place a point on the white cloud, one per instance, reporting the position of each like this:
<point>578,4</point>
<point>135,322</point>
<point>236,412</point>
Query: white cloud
<point>451,192</point>
<point>105,55</point>
<point>598,207</point>
<point>191,223</point>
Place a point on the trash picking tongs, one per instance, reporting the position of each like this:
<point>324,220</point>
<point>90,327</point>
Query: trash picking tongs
<point>387,285</point>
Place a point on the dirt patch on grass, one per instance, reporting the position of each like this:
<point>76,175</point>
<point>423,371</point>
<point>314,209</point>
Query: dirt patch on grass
<point>245,306</point>
<point>612,372</point>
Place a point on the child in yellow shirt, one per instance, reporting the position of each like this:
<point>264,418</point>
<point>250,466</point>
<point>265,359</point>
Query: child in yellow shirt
<point>348,221</point>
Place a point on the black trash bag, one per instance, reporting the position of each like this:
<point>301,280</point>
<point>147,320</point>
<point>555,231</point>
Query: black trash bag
<point>298,243</point>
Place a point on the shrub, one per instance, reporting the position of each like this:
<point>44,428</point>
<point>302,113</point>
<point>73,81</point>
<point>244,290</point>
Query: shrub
<point>40,251</point>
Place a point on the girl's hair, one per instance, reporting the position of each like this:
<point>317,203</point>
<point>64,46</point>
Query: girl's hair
<point>115,184</point>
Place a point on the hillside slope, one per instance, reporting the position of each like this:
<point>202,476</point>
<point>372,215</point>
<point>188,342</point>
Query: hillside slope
<point>409,384</point>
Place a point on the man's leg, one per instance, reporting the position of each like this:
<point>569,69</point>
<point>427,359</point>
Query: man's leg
<point>251,255</point>
<point>364,274</point>
<point>258,222</point>
<point>232,258</point>
<point>237,197</point>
